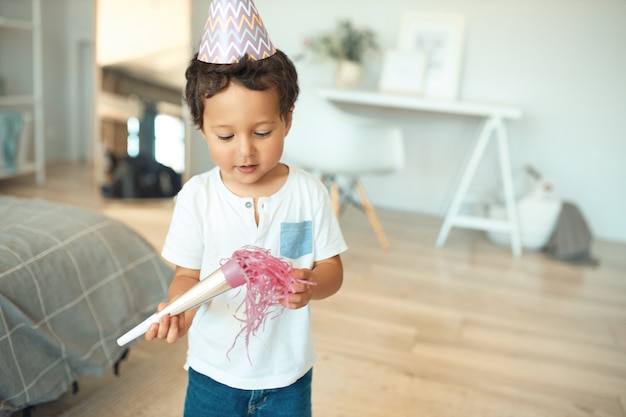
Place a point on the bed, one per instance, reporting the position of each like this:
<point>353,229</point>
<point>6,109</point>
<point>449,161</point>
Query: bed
<point>72,281</point>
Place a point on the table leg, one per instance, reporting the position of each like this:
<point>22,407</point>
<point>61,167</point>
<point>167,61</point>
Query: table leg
<point>509,192</point>
<point>493,124</point>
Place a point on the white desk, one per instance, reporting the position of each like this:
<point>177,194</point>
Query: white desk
<point>494,123</point>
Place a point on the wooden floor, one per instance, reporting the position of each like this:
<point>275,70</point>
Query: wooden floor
<point>461,331</point>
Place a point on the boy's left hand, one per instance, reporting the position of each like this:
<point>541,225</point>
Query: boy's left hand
<point>302,293</point>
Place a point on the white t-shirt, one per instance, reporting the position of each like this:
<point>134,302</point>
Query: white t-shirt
<point>209,223</point>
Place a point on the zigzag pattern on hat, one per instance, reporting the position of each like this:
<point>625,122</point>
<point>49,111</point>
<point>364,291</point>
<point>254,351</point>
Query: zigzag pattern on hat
<point>223,14</point>
<point>233,29</point>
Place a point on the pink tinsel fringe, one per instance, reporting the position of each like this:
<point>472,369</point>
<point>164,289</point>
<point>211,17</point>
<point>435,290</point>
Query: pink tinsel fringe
<point>268,281</point>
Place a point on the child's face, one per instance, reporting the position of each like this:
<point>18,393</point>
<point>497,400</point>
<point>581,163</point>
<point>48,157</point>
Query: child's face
<point>245,134</point>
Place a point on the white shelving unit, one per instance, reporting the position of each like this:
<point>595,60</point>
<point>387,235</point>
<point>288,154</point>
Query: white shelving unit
<point>22,73</point>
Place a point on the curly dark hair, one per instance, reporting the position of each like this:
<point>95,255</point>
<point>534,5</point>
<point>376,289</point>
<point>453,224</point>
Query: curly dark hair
<point>205,80</point>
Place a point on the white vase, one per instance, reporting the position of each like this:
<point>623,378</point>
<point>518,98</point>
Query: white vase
<point>348,74</point>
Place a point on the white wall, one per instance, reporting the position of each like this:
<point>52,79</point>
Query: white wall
<point>562,61</point>
<point>65,23</point>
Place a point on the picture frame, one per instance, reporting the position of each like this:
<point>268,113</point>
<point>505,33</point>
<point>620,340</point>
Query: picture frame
<point>440,37</point>
<point>403,72</point>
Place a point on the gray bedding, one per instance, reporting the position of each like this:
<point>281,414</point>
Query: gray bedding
<point>71,282</point>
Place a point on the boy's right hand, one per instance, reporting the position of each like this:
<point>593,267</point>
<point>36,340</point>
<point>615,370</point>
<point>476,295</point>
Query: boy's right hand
<point>169,328</point>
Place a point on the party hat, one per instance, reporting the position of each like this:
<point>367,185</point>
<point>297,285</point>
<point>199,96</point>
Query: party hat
<point>234,28</point>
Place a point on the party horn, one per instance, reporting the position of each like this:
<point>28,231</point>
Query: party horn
<point>229,275</point>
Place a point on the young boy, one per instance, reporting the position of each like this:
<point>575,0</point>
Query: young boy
<point>244,111</point>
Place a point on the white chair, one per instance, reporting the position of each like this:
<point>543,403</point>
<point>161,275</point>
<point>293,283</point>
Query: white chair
<point>340,147</point>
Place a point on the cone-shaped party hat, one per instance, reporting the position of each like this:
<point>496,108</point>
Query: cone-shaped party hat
<point>234,28</point>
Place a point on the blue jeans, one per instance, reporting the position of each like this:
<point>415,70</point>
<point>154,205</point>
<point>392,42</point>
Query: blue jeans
<point>208,398</point>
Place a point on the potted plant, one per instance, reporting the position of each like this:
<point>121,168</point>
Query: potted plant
<point>347,45</point>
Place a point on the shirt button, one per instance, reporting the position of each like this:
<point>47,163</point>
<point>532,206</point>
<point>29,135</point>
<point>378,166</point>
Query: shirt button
<point>248,204</point>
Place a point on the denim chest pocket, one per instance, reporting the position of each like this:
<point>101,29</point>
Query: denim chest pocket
<point>296,239</point>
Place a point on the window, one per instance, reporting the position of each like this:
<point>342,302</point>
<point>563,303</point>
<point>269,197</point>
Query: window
<point>169,146</point>
<point>170,142</point>
<point>132,142</point>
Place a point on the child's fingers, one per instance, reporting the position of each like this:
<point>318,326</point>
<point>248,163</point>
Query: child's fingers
<point>172,334</point>
<point>302,287</point>
<point>152,331</point>
<point>155,329</point>
<point>298,273</point>
<point>164,327</point>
